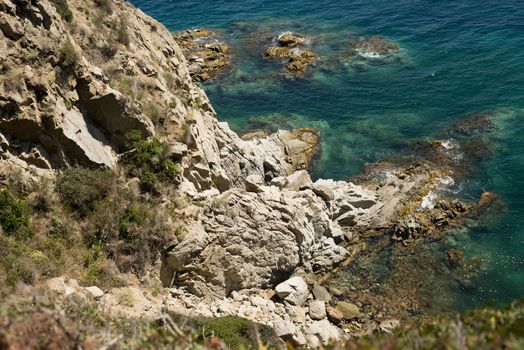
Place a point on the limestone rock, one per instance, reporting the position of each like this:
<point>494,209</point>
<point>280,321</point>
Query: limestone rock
<point>321,293</point>
<point>284,328</point>
<point>334,315</point>
<point>349,311</point>
<point>295,291</point>
<point>110,109</point>
<point>254,239</point>
<point>317,310</point>
<point>94,292</point>
<point>324,330</point>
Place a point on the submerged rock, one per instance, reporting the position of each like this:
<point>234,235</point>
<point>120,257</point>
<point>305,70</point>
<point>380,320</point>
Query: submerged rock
<point>289,39</point>
<point>454,257</point>
<point>375,46</point>
<point>291,49</point>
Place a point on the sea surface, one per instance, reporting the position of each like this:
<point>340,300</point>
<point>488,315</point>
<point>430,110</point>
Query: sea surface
<point>459,57</point>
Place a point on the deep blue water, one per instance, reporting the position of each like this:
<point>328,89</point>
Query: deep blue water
<point>460,57</point>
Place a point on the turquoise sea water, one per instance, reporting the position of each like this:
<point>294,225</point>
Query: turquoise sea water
<point>459,57</point>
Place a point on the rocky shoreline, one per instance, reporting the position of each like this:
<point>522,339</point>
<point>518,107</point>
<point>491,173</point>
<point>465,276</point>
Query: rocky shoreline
<point>260,237</point>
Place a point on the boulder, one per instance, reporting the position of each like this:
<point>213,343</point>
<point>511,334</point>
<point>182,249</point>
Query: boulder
<point>289,39</point>
<point>317,310</point>
<point>298,180</point>
<point>334,315</point>
<point>349,311</point>
<point>295,291</point>
<point>297,313</point>
<point>284,329</point>
<point>321,293</point>
<point>324,330</point>
<point>94,292</point>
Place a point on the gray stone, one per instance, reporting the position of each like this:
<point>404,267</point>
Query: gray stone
<point>321,293</point>
<point>317,310</point>
<point>297,313</point>
<point>325,331</point>
<point>94,292</point>
<point>284,328</point>
<point>349,310</point>
<point>294,291</point>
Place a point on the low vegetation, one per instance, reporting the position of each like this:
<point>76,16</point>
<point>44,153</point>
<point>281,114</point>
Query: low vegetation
<point>149,161</point>
<point>75,323</point>
<point>88,226</point>
<point>62,7</point>
<point>485,328</point>
<point>69,55</point>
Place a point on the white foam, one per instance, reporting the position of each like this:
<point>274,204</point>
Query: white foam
<point>428,202</point>
<point>369,54</point>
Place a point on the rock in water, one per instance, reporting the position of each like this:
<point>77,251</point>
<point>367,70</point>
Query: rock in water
<point>289,39</point>
<point>294,291</point>
<point>376,46</point>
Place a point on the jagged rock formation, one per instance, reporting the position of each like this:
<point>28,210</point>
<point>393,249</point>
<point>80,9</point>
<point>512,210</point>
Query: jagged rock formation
<point>70,92</point>
<point>207,55</point>
<point>291,49</point>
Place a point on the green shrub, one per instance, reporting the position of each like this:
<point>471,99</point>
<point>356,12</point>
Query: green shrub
<point>80,188</point>
<point>62,7</point>
<point>69,55</point>
<point>131,231</point>
<point>14,213</point>
<point>98,269</point>
<point>235,332</point>
<point>148,159</point>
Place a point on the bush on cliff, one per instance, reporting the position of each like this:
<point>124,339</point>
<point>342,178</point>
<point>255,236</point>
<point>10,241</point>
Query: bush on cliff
<point>80,188</point>
<point>62,7</point>
<point>14,214</point>
<point>69,55</point>
<point>149,161</point>
<point>105,6</point>
<point>131,230</point>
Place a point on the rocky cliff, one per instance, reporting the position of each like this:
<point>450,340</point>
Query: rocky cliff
<point>78,76</point>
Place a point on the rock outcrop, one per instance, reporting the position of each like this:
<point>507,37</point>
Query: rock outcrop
<point>69,94</point>
<point>206,54</point>
<point>292,50</point>
<point>375,46</point>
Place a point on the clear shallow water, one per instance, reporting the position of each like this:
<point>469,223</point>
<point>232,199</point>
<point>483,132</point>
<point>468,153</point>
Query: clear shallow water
<point>459,57</point>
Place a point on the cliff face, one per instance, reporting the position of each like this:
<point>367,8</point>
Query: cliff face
<point>77,76</point>
<point>74,83</point>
